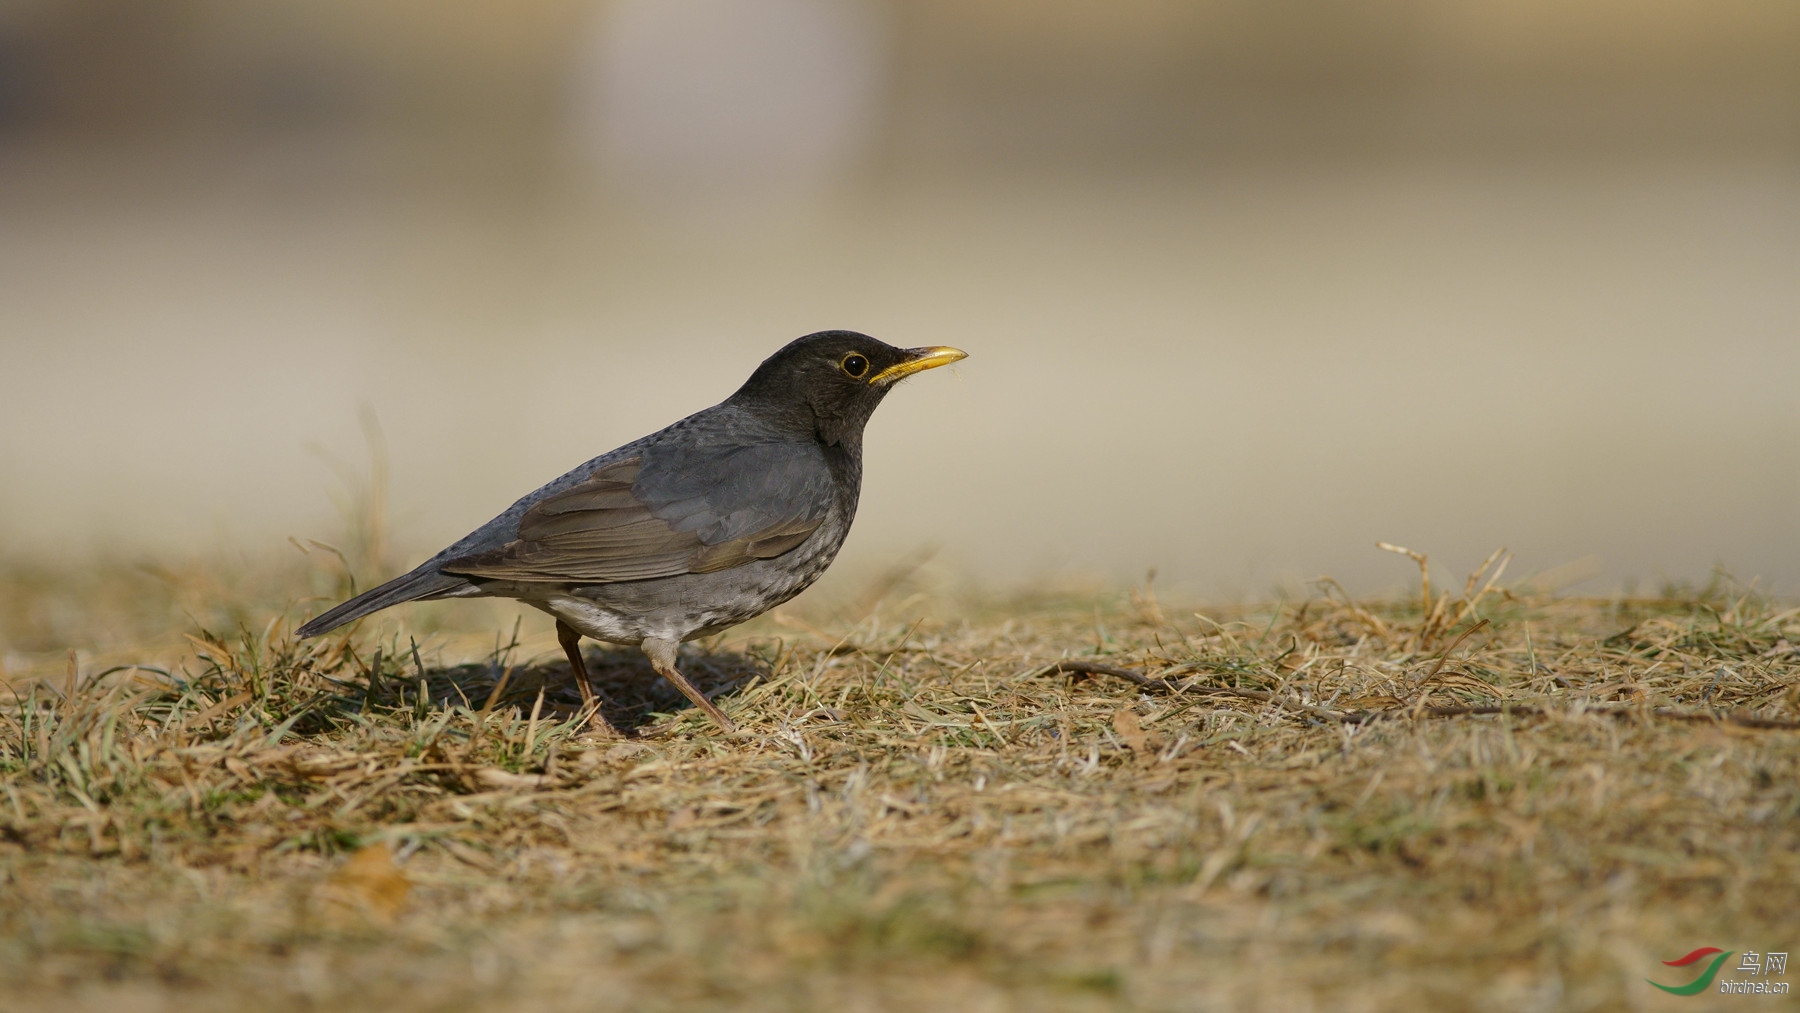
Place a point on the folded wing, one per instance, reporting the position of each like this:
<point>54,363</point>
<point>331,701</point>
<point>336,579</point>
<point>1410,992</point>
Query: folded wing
<point>697,511</point>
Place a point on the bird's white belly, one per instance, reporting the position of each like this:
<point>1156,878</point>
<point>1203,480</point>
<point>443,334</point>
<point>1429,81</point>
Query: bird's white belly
<point>599,622</point>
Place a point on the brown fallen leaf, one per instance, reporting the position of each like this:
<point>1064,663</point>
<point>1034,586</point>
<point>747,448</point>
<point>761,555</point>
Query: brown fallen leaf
<point>1129,729</point>
<point>369,884</point>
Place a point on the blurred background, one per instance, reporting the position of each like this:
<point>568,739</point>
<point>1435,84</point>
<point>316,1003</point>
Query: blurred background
<point>1247,284</point>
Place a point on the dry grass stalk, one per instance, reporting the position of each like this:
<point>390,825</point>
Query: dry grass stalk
<point>1496,800</point>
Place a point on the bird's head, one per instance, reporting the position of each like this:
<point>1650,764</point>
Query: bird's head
<point>831,381</point>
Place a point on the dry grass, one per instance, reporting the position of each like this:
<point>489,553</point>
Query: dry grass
<point>1458,802</point>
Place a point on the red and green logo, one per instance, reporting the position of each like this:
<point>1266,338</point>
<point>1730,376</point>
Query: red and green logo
<point>1699,984</point>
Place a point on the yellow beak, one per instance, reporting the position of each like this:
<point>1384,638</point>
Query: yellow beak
<point>917,360</point>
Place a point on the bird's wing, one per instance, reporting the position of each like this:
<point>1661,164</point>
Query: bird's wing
<point>683,510</point>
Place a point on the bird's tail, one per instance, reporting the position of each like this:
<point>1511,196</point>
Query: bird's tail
<point>421,583</point>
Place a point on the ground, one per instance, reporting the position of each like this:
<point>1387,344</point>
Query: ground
<point>1480,800</point>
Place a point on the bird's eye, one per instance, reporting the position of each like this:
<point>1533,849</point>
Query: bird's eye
<point>855,365</point>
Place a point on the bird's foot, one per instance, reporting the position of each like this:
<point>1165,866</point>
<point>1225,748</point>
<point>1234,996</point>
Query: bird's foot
<point>726,725</point>
<point>596,724</point>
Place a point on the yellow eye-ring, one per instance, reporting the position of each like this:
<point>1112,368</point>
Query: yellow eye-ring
<point>854,365</point>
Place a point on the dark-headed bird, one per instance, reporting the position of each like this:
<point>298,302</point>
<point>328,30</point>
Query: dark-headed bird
<point>688,531</point>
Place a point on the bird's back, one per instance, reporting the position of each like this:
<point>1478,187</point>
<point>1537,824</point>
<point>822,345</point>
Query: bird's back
<point>719,475</point>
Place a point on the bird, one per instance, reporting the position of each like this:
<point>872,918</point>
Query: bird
<point>686,532</point>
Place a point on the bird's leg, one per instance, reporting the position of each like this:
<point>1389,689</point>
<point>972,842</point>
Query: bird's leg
<point>570,640</point>
<point>662,658</point>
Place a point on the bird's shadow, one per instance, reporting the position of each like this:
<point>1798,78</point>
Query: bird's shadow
<point>631,691</point>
